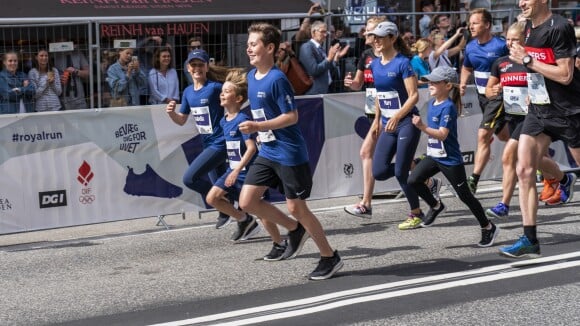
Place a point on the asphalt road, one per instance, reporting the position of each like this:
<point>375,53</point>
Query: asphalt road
<point>137,273</point>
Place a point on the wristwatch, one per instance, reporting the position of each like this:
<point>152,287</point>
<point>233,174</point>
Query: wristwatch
<point>527,60</point>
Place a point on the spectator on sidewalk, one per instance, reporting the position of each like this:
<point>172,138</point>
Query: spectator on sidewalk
<point>315,60</point>
<point>163,80</point>
<point>16,90</point>
<point>427,6</point>
<point>46,80</point>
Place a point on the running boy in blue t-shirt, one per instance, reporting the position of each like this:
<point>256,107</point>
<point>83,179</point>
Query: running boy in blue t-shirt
<point>283,159</point>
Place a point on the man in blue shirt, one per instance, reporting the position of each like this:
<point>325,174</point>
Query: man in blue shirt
<point>480,54</point>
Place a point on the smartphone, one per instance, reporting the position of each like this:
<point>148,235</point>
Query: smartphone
<point>212,61</point>
<point>134,58</point>
<point>466,35</point>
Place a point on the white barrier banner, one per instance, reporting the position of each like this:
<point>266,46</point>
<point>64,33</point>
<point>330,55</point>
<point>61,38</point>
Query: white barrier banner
<point>90,166</point>
<point>339,170</point>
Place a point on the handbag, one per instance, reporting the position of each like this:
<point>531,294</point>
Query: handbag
<point>296,74</point>
<point>117,100</point>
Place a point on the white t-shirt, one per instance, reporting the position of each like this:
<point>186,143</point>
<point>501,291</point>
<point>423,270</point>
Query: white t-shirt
<point>443,60</point>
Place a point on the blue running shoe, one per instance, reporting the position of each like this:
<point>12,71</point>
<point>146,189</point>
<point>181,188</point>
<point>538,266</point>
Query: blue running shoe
<point>567,190</point>
<point>523,248</point>
<point>500,210</point>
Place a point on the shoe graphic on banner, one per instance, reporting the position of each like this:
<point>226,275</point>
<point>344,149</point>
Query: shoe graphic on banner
<point>149,183</point>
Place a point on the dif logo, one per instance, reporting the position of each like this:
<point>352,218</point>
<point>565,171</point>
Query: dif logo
<point>55,198</point>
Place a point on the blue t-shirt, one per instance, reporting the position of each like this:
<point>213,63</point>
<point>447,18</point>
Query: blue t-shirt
<point>480,57</point>
<point>270,97</point>
<point>207,112</point>
<point>420,67</point>
<point>235,139</point>
<point>391,77</point>
<point>444,115</point>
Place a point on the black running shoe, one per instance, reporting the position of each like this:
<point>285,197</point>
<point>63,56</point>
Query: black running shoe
<point>252,230</point>
<point>244,227</point>
<point>277,252</point>
<point>296,240</point>
<point>488,236</point>
<point>223,220</point>
<point>432,215</point>
<point>327,266</point>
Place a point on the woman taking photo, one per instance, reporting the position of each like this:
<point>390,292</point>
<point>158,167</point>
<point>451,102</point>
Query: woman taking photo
<point>125,79</point>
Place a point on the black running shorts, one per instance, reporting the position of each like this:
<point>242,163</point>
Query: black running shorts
<point>295,182</point>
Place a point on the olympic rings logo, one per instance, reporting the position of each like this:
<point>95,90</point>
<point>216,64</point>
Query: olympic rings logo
<point>87,199</point>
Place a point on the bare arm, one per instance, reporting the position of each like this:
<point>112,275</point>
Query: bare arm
<point>355,83</point>
<point>561,73</point>
<point>439,134</point>
<point>411,87</point>
<point>465,74</point>
<point>453,51</point>
<point>251,149</point>
<point>493,87</point>
<point>177,117</point>
<point>279,122</point>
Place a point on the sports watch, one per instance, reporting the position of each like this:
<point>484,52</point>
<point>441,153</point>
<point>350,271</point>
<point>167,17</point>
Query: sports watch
<point>527,60</point>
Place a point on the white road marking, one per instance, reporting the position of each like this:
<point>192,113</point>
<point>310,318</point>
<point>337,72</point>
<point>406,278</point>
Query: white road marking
<point>510,273</point>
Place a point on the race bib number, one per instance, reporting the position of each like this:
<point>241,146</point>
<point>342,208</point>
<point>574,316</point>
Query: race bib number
<point>389,103</point>
<point>481,78</point>
<point>263,136</point>
<point>435,148</point>
<point>514,99</point>
<point>234,153</point>
<point>537,89</point>
<point>202,120</point>
<point>370,100</point>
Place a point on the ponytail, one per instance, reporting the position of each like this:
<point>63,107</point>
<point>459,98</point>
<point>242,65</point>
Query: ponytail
<point>402,47</point>
<point>456,98</point>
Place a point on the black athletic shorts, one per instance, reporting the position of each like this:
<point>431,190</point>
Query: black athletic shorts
<point>493,113</point>
<point>515,124</point>
<point>292,181</point>
<point>565,128</point>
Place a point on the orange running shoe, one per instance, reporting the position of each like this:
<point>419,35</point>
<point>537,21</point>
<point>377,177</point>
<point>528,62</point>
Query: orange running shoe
<point>550,186</point>
<point>555,199</point>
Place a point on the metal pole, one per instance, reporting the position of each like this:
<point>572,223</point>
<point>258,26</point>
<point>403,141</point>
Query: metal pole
<point>91,67</point>
<point>98,49</point>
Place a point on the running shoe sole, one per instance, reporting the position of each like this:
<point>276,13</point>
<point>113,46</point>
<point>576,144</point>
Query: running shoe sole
<point>252,232</point>
<point>366,215</point>
<point>336,268</point>
<point>530,255</point>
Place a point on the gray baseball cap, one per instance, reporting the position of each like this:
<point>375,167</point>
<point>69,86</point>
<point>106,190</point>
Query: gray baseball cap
<point>385,28</point>
<point>441,73</point>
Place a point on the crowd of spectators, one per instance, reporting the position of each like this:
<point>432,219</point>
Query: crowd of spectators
<point>153,71</point>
